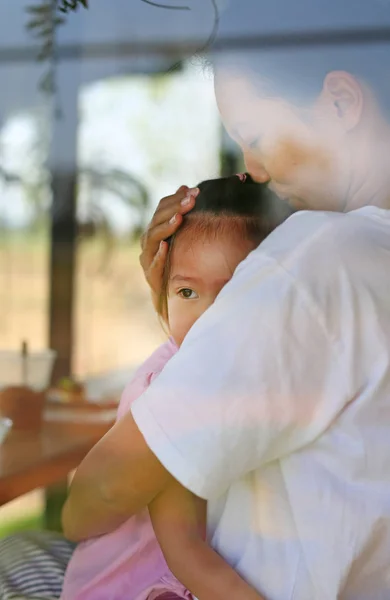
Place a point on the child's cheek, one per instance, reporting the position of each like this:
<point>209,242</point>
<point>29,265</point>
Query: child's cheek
<point>180,319</point>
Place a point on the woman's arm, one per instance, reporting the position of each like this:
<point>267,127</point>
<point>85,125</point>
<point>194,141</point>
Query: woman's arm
<point>114,475</point>
<point>179,521</point>
<point>117,478</point>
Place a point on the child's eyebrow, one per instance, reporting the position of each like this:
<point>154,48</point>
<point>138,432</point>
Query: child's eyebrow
<point>220,281</point>
<point>179,277</point>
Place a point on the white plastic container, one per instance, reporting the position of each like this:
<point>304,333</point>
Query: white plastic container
<point>5,426</point>
<point>34,370</point>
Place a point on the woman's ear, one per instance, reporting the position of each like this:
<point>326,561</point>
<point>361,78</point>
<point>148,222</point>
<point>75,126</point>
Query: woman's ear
<point>345,97</point>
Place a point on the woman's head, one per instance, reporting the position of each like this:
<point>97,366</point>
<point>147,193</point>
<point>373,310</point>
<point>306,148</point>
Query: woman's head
<point>311,118</point>
<point>282,144</point>
<point>231,217</point>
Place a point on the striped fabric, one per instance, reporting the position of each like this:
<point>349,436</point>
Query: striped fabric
<point>32,565</point>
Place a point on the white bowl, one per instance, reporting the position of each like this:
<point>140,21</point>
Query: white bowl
<point>5,426</point>
<point>36,370</point>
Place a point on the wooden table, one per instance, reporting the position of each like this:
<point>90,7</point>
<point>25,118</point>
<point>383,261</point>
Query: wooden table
<point>44,459</point>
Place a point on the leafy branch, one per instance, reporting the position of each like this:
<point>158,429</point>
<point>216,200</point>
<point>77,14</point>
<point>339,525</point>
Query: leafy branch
<point>47,16</point>
<point>44,19</point>
<point>69,5</point>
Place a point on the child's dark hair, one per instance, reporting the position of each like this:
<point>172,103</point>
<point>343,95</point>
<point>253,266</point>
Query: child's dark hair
<point>235,205</point>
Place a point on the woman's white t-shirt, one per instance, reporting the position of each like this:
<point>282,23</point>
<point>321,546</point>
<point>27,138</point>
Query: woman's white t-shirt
<point>276,410</point>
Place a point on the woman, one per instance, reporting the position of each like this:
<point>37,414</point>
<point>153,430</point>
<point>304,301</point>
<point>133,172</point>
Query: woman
<point>290,448</point>
<point>282,387</point>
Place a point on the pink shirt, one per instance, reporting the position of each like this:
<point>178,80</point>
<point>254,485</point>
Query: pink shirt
<point>126,564</point>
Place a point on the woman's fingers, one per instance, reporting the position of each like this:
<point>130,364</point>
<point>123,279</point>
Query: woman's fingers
<point>159,233</point>
<point>166,220</point>
<point>154,252</point>
<point>181,203</point>
<point>156,269</point>
<point>154,275</point>
<point>167,207</point>
<point>180,193</point>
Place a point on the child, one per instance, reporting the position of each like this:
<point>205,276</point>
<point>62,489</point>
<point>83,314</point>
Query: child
<point>231,217</point>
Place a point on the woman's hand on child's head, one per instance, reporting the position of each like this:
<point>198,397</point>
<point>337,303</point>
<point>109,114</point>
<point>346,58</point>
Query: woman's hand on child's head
<point>166,220</point>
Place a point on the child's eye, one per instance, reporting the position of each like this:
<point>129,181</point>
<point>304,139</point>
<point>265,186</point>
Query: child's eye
<point>187,294</point>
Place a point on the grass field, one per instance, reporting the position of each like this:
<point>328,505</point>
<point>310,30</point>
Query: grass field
<point>114,322</point>
<point>33,522</point>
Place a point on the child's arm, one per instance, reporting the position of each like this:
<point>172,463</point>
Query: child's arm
<point>179,521</point>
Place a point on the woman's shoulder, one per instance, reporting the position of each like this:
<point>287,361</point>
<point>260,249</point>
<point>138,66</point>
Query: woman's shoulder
<point>310,243</point>
<point>303,229</point>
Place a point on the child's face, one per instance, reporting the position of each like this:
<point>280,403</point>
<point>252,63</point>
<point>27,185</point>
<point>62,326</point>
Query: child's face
<point>199,270</point>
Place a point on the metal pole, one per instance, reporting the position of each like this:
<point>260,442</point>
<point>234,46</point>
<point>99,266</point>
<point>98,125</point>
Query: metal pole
<point>63,167</point>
